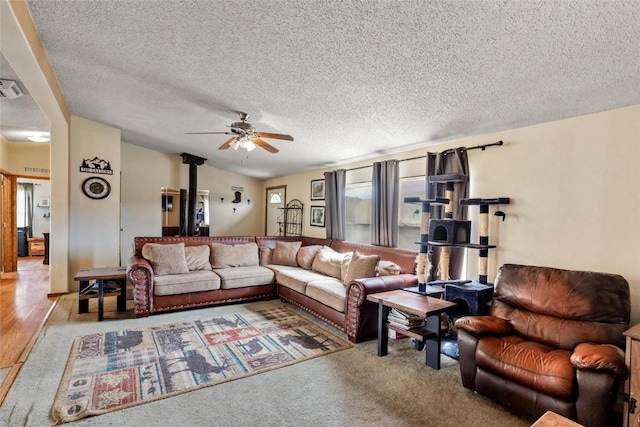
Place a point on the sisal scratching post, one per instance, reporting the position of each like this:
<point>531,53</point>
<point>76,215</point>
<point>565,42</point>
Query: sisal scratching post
<point>445,251</point>
<point>424,264</point>
<point>483,254</point>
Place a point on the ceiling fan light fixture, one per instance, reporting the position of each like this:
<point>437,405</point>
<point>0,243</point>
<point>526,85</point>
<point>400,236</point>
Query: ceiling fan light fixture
<point>248,145</point>
<point>39,137</point>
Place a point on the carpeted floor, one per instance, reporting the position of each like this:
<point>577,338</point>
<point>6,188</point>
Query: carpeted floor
<point>353,387</point>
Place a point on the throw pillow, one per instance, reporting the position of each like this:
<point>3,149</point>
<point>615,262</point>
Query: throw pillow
<point>166,259</point>
<point>306,255</point>
<point>388,268</point>
<point>361,266</point>
<point>225,256</point>
<point>328,262</point>
<point>285,253</point>
<point>197,257</point>
<point>266,253</point>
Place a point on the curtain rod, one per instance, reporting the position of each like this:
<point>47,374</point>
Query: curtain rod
<point>445,152</point>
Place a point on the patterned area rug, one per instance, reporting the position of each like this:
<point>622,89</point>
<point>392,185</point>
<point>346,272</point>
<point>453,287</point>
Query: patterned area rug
<point>114,370</point>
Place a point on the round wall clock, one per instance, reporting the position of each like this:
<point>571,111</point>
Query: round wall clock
<point>96,187</point>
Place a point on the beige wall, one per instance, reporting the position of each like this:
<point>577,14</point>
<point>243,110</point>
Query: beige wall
<point>574,194</point>
<point>141,196</point>
<point>95,224</point>
<point>26,158</point>
<point>4,153</point>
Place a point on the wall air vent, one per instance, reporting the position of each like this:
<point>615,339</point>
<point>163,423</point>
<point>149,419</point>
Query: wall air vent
<point>9,90</point>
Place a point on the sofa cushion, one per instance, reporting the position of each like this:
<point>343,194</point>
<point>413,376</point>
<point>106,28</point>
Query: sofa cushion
<point>195,281</point>
<point>242,277</point>
<point>534,365</point>
<point>166,259</point>
<point>306,255</point>
<point>197,257</point>
<point>388,268</point>
<point>266,253</point>
<point>330,292</point>
<point>328,262</point>
<point>285,253</point>
<point>225,256</point>
<point>360,266</point>
<point>295,278</point>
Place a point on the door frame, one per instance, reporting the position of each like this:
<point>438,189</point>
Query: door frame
<point>266,202</point>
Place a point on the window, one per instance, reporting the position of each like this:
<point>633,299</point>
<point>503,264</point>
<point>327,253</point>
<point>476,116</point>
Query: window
<point>358,212</point>
<point>410,214</point>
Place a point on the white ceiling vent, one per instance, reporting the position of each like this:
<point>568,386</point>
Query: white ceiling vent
<point>9,90</point>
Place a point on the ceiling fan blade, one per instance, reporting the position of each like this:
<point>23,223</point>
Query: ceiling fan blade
<point>263,144</point>
<point>227,144</point>
<point>208,133</point>
<point>274,136</point>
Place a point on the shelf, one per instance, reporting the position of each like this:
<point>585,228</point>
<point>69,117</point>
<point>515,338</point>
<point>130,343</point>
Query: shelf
<point>420,333</point>
<point>456,245</point>
<point>453,177</point>
<point>477,202</point>
<point>419,201</point>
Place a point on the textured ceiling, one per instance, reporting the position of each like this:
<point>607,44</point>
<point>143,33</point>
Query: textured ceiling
<point>348,79</point>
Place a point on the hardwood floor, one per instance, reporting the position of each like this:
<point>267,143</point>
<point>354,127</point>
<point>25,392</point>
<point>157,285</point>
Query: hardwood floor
<point>24,307</point>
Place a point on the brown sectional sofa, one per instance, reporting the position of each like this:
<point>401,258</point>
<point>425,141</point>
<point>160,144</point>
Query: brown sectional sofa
<point>316,286</point>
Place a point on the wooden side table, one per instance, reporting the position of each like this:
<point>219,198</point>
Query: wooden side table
<point>551,419</point>
<point>87,290</point>
<point>36,246</point>
<point>423,306</point>
<point>631,412</point>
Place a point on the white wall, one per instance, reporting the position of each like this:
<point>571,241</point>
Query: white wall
<point>95,224</point>
<point>141,198</point>
<point>574,194</point>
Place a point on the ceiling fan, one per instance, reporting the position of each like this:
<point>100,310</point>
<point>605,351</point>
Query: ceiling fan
<point>245,136</point>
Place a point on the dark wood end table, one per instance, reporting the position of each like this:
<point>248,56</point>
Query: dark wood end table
<point>427,307</point>
<point>86,290</point>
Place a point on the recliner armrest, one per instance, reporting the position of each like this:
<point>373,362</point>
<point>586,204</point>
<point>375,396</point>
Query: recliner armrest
<point>481,325</point>
<point>597,357</point>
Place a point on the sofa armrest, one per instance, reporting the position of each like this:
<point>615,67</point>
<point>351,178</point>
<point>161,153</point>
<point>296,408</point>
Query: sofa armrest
<point>140,275</point>
<point>361,321</point>
<point>599,357</point>
<point>484,325</point>
<point>360,288</point>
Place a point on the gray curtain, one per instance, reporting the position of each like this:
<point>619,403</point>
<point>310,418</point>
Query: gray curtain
<point>453,161</point>
<point>24,208</point>
<point>334,195</point>
<point>385,189</point>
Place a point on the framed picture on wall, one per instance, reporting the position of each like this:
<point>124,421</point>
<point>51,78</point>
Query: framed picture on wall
<point>317,189</point>
<point>317,216</point>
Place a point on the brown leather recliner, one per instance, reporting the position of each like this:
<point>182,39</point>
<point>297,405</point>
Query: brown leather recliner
<point>553,342</point>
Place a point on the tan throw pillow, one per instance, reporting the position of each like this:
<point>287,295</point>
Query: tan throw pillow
<point>165,259</point>
<point>361,266</point>
<point>285,253</point>
<point>388,268</point>
<point>197,257</point>
<point>306,254</point>
<point>328,262</point>
<point>266,254</point>
<point>225,256</point>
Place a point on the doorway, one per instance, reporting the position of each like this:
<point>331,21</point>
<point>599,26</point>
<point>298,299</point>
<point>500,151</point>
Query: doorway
<point>275,203</point>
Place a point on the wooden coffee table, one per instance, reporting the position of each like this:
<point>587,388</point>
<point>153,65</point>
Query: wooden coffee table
<point>423,306</point>
<point>87,290</point>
